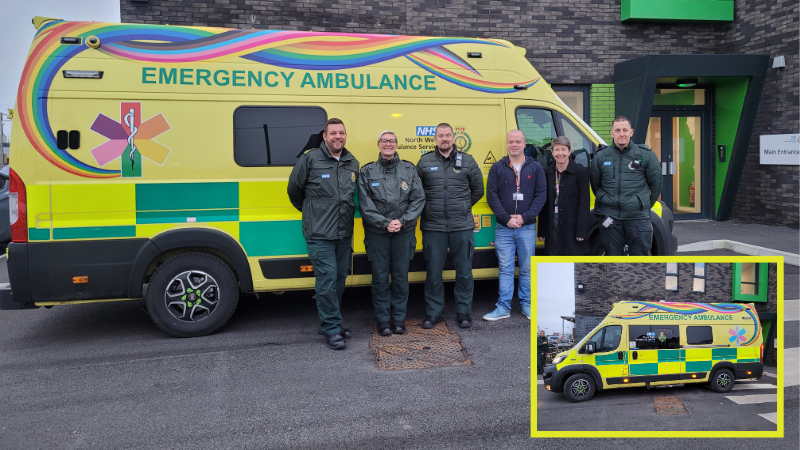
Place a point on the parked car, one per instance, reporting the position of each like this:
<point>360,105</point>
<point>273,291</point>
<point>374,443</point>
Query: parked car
<point>5,229</point>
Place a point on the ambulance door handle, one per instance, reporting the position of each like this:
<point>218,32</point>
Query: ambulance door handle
<point>620,355</point>
<point>672,167</point>
<point>664,168</point>
<point>635,355</point>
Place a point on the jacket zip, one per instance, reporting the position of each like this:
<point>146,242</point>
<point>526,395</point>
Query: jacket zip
<point>444,164</point>
<point>619,183</point>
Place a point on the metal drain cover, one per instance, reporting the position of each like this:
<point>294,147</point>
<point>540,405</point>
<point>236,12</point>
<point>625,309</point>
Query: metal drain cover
<point>418,348</point>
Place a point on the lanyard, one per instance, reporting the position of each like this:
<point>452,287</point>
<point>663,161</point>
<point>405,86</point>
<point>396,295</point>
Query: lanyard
<point>558,187</point>
<point>517,173</point>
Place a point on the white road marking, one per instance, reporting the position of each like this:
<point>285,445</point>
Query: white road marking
<point>752,399</point>
<point>3,256</point>
<point>539,381</point>
<point>772,417</point>
<point>746,386</point>
<point>5,285</point>
<point>791,310</point>
<point>791,366</point>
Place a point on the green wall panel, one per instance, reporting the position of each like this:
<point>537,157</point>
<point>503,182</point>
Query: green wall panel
<point>676,10</point>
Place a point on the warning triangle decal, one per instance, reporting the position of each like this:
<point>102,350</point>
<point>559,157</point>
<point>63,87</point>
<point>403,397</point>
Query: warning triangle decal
<point>489,159</point>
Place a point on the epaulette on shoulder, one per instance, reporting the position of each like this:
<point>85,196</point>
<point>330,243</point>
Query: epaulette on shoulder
<point>645,146</point>
<point>409,164</point>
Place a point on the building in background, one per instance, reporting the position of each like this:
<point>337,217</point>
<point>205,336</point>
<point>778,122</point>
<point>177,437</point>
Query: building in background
<point>599,286</point>
<point>702,80</point>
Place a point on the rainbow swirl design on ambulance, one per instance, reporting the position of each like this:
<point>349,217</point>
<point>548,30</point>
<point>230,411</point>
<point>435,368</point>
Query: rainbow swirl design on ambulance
<point>692,309</point>
<point>179,45</point>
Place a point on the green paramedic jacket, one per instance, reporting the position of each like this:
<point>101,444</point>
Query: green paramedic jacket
<point>324,189</point>
<point>450,193</point>
<point>388,190</point>
<point>623,189</point>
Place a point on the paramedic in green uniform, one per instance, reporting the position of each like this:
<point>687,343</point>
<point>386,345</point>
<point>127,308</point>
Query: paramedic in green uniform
<point>390,199</point>
<point>542,346</point>
<point>323,186</point>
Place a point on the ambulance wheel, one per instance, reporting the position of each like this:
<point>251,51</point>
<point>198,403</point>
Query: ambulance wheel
<point>192,294</point>
<point>722,381</point>
<point>579,387</point>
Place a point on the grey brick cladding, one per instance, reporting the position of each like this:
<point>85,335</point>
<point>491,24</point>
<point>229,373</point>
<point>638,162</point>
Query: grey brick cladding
<point>569,42</point>
<point>608,283</point>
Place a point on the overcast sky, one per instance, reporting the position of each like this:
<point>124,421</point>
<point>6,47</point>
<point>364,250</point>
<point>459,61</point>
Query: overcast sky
<point>555,295</point>
<point>17,34</point>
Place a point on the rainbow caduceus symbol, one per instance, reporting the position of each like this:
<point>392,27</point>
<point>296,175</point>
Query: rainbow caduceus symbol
<point>130,139</point>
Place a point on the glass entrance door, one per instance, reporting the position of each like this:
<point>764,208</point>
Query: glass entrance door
<point>677,140</point>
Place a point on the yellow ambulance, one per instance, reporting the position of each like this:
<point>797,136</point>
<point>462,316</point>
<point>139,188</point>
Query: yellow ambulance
<point>652,344</point>
<point>158,156</point>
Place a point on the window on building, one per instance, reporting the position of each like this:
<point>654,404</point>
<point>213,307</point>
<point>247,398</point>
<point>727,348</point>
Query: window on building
<point>655,337</point>
<point>274,135</point>
<point>672,277</point>
<point>699,335</point>
<point>749,285</point>
<point>576,98</point>
<point>699,278</point>
<point>750,282</point>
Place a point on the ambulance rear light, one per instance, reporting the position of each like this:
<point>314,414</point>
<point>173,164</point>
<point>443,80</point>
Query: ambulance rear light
<point>761,357</point>
<point>17,208</point>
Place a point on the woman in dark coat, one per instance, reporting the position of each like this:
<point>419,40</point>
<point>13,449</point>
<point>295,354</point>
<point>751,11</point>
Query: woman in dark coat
<point>564,220</point>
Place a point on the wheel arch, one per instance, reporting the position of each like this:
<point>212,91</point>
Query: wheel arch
<point>174,242</point>
<point>561,376</point>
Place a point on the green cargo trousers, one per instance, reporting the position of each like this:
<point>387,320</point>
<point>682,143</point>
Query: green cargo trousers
<point>434,249</point>
<point>390,254</point>
<point>331,262</point>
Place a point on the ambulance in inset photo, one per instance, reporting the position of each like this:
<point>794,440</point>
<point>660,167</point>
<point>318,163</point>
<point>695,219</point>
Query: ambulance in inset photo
<point>648,344</point>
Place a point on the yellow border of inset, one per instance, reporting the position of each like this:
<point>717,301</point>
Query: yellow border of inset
<point>778,433</point>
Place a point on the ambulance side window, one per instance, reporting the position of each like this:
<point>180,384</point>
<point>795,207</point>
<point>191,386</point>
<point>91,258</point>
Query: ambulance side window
<point>655,337</point>
<point>582,147</point>
<point>274,135</point>
<point>606,339</point>
<point>611,339</point>
<point>699,335</point>
<point>539,129</point>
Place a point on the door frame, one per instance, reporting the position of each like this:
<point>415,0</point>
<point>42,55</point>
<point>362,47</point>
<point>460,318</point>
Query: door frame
<point>707,181</point>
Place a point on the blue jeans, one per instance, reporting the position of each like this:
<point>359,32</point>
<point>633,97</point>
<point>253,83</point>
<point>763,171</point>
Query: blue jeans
<point>507,242</point>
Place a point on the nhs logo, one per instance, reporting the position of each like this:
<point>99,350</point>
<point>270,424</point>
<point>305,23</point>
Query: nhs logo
<point>426,131</point>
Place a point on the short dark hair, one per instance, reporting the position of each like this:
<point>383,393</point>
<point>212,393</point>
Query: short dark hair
<point>621,119</point>
<point>333,121</point>
<point>444,125</point>
<point>561,140</point>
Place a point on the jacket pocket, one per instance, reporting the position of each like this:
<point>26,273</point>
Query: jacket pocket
<point>644,201</point>
<point>412,247</point>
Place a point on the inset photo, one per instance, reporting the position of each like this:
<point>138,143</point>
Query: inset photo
<point>658,349</point>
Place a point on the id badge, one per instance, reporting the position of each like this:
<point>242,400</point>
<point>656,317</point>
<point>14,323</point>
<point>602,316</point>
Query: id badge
<point>517,196</point>
<point>607,223</point>
<point>556,209</point>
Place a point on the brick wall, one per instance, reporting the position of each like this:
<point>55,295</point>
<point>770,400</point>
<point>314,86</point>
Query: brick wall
<point>568,41</point>
<point>601,109</point>
<point>606,284</point>
<point>769,194</point>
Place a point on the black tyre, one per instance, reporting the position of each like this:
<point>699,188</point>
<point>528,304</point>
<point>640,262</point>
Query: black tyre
<point>192,294</point>
<point>722,380</point>
<point>579,387</point>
